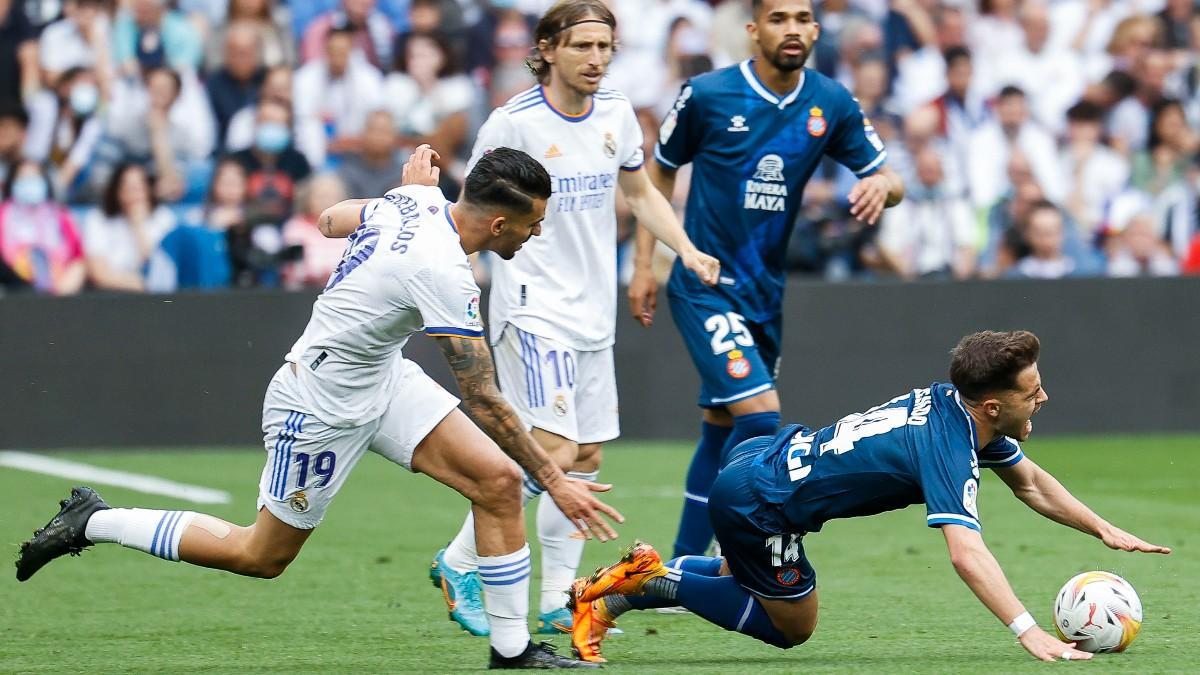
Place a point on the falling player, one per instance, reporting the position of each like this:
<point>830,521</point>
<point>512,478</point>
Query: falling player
<point>754,133</point>
<point>925,446</point>
<point>553,309</point>
<point>346,388</point>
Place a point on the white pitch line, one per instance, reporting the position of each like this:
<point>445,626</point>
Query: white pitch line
<point>87,473</point>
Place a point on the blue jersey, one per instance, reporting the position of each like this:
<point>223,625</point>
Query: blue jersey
<point>917,448</point>
<point>752,152</point>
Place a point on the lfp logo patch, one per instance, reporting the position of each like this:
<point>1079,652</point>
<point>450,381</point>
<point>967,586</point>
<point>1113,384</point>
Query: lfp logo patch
<point>473,310</point>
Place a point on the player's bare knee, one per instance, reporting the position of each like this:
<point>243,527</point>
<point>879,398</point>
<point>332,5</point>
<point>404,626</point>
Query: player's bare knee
<point>501,490</point>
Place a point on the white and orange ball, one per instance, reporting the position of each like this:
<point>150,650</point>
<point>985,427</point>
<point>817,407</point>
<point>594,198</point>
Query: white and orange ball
<point>1099,611</point>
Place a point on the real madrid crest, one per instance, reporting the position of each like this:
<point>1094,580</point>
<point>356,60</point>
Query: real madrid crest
<point>816,122</point>
<point>610,145</point>
<point>560,405</point>
<point>298,502</point>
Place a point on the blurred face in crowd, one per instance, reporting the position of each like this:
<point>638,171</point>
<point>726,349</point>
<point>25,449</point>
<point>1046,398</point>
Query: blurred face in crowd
<point>870,80</point>
<point>337,52</point>
<point>229,184</point>
<point>424,58</point>
<point>921,126</point>
<point>325,190</point>
<point>249,9</point>
<point>357,11</point>
<point>84,13</point>
<point>1172,127</point>
<point>134,190</point>
<point>785,31</point>
<point>160,87</point>
<point>147,13</point>
<point>1140,237</point>
<point>1045,233</point>
<point>1083,132</point>
<point>424,17</point>
<point>278,84</point>
<point>1035,21</point>
<point>929,168</point>
<point>958,76</point>
<point>951,29</point>
<point>273,133</point>
<point>511,44</point>
<point>29,184</point>
<point>581,57</point>
<point>379,135</point>
<point>1011,112</point>
<point>241,51</point>
<point>1155,67</point>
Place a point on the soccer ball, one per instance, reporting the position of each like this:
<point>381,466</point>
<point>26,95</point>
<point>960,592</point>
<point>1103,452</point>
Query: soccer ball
<point>1099,611</point>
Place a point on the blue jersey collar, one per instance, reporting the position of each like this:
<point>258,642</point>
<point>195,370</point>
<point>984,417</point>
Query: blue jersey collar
<point>759,88</point>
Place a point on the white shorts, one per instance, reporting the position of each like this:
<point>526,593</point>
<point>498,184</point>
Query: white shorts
<point>558,389</point>
<point>308,460</point>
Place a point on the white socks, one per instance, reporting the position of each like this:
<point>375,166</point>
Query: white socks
<point>561,551</point>
<point>154,532</point>
<point>506,596</point>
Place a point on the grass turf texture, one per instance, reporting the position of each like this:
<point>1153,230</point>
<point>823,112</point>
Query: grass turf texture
<point>358,598</point>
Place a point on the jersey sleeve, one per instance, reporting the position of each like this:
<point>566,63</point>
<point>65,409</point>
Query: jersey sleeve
<point>1001,452</point>
<point>679,134</point>
<point>950,482</point>
<point>497,131</point>
<point>632,155</point>
<point>448,300</point>
<point>855,145</point>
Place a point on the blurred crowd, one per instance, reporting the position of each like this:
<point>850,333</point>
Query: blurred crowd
<point>156,145</point>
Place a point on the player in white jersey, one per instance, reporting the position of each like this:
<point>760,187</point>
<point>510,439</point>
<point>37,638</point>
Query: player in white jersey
<point>346,388</point>
<point>553,310</point>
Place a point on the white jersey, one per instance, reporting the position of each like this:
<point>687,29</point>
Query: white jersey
<point>404,270</point>
<point>563,284</point>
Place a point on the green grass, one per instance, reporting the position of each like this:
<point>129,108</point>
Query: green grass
<point>358,598</point>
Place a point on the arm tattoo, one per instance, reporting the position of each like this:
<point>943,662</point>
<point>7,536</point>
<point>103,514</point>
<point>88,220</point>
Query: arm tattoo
<point>327,226</point>
<point>471,362</point>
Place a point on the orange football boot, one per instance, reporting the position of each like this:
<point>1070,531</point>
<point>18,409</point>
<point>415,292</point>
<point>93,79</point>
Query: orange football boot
<point>590,622</point>
<point>639,563</point>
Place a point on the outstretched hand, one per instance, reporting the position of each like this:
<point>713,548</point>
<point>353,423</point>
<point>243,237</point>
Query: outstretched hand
<point>1121,540</point>
<point>574,498</point>
<point>1045,647</point>
<point>419,170</point>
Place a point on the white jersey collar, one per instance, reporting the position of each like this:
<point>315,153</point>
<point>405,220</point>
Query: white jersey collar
<point>752,79</point>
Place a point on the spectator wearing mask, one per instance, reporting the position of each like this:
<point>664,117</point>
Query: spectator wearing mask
<point>14,122</point>
<point>332,98</point>
<point>273,166</point>
<point>931,234</point>
<point>321,254</point>
<point>121,234</point>
<point>235,84</point>
<point>39,242</point>
<point>1044,235</point>
<point>148,34</point>
<point>276,86</point>
<point>429,97</point>
<point>152,122</point>
<point>1093,171</point>
<point>994,142</point>
<point>370,30</point>
<point>81,39</point>
<point>19,76</point>
<point>270,24</point>
<point>1137,250</point>
<point>65,127</point>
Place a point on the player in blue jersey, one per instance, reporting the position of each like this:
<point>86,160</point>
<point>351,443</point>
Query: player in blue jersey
<point>925,446</point>
<point>753,133</point>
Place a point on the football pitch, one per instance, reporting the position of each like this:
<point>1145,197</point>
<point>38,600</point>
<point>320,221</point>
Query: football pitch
<point>358,599</point>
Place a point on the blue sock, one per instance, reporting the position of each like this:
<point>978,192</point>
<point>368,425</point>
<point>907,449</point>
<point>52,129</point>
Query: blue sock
<point>722,601</point>
<point>749,426</point>
<point>695,530</point>
<point>696,564</point>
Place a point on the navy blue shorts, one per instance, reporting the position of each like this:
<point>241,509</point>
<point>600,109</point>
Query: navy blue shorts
<point>766,560</point>
<point>736,358</point>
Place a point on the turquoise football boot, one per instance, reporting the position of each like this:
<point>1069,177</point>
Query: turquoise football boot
<point>463,594</point>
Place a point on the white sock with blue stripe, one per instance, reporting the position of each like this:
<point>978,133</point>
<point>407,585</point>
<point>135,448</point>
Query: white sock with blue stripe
<point>562,548</point>
<point>154,532</point>
<point>506,596</point>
